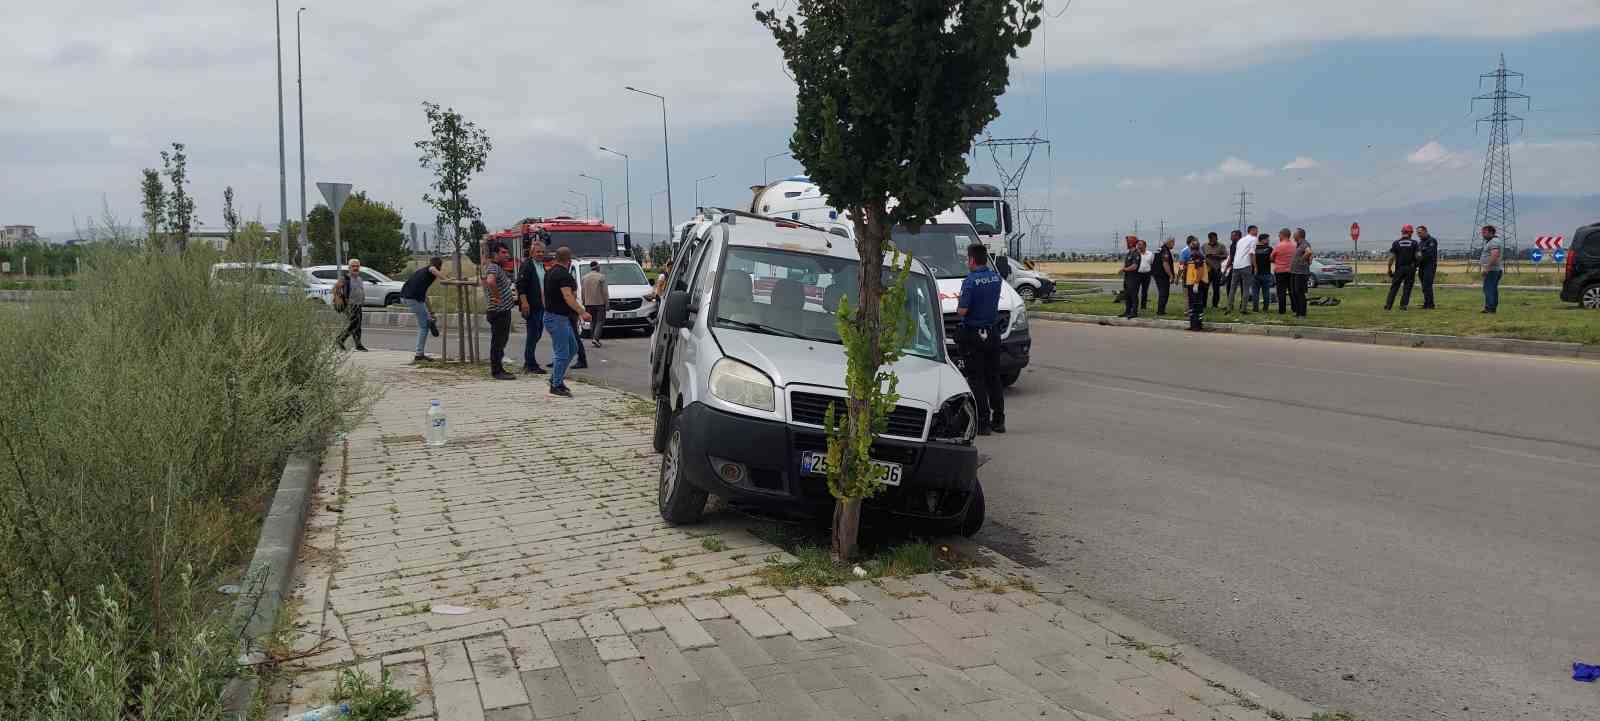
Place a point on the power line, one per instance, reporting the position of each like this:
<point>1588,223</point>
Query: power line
<point>1497,201</point>
<point>1244,207</point>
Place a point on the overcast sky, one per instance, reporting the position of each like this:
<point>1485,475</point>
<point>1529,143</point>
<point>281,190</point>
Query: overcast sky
<point>1157,109</point>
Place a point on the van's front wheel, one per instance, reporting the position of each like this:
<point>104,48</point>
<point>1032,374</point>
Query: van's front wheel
<point>680,502</point>
<point>972,522</point>
<point>663,427</point>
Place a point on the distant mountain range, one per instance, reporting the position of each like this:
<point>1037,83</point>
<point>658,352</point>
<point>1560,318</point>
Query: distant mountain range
<point>1450,220</point>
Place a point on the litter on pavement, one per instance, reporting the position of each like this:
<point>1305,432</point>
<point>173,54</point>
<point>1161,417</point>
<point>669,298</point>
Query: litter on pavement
<point>1584,672</point>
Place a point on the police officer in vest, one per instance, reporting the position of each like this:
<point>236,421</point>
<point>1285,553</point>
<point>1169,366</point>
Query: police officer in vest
<point>978,339</point>
<point>1402,268</point>
<point>1427,264</point>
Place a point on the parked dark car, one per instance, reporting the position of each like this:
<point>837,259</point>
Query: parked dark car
<point>1337,275</point>
<point>1582,284</point>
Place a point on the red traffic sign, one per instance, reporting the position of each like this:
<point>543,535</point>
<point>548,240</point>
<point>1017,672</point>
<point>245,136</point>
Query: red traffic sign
<point>1548,242</point>
<point>1355,231</point>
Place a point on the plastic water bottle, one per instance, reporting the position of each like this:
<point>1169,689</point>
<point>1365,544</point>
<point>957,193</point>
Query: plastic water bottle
<point>437,426</point>
<point>331,711</point>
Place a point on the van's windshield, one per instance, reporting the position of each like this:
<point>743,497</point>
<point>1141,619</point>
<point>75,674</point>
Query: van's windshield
<point>942,247</point>
<point>796,295</point>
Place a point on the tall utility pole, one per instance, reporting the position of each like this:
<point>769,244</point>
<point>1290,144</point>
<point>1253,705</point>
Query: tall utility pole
<point>666,148</point>
<point>653,197</point>
<point>1497,202</point>
<point>300,91</point>
<point>1162,236</point>
<point>766,177</point>
<point>602,194</point>
<point>627,186</point>
<point>697,183</point>
<point>1244,208</point>
<point>283,166</point>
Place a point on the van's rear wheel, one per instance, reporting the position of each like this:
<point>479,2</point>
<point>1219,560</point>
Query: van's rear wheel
<point>663,427</point>
<point>680,502</point>
<point>1590,298</point>
<point>1010,379</point>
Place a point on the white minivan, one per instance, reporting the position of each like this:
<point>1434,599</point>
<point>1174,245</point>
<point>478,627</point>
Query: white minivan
<point>629,307</point>
<point>941,244</point>
<point>746,361</point>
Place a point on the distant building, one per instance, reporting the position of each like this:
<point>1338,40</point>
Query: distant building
<point>11,235</point>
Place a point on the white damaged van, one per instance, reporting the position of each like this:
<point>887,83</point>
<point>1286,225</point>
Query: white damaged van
<point>941,245</point>
<point>746,361</point>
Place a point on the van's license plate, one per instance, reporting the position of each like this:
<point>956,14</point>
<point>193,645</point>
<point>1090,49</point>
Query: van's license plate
<point>887,473</point>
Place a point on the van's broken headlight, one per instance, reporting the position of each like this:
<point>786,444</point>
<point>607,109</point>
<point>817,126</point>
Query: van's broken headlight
<point>956,421</point>
<point>741,384</point>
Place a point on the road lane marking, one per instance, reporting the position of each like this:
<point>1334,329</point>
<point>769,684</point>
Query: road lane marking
<point>1363,375</point>
<point>1535,456</point>
<point>1147,395</point>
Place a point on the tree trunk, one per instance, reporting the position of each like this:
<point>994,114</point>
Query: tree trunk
<point>846,528</point>
<point>871,233</point>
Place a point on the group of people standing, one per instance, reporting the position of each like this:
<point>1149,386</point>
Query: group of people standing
<point>544,289</point>
<point>1249,267</point>
<point>1413,259</point>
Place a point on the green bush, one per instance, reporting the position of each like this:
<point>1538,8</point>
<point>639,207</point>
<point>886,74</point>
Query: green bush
<point>146,422</point>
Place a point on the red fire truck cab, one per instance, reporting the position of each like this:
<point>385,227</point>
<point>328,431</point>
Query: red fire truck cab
<point>587,239</point>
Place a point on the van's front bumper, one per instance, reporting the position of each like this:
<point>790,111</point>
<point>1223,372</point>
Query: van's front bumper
<point>1014,350</point>
<point>936,486</point>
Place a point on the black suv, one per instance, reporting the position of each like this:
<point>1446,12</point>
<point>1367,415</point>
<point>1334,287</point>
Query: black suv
<point>1582,283</point>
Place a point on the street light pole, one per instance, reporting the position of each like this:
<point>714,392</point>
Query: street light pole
<point>283,166</point>
<point>300,90</point>
<point>666,149</point>
<point>627,185</point>
<point>602,194</point>
<point>653,197</point>
<point>697,183</point>
<point>585,201</point>
<point>766,178</point>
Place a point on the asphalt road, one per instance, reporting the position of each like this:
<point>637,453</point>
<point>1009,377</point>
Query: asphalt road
<point>623,361</point>
<point>1404,534</point>
<point>1424,522</point>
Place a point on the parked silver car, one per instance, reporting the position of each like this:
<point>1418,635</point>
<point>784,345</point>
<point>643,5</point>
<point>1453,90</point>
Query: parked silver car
<point>746,360</point>
<point>1337,275</point>
<point>276,277</point>
<point>382,290</point>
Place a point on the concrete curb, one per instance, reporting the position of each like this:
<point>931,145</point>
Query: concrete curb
<point>276,549</point>
<point>1351,335</point>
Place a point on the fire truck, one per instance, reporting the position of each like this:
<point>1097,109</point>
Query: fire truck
<point>587,239</point>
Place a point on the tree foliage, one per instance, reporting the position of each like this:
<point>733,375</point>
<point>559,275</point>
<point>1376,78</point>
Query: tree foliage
<point>371,230</point>
<point>455,149</point>
<point>230,215</point>
<point>180,205</point>
<point>890,96</point>
<point>154,201</point>
<point>474,245</point>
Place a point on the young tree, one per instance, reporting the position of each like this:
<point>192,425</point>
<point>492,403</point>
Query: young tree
<point>180,206</point>
<point>155,208</point>
<point>456,148</point>
<point>230,216</point>
<point>475,242</point>
<point>890,96</point>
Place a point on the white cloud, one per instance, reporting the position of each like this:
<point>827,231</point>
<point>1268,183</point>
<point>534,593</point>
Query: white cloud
<point>1432,153</point>
<point>1230,168</point>
<point>1141,184</point>
<point>1101,34</point>
<point>1302,162</point>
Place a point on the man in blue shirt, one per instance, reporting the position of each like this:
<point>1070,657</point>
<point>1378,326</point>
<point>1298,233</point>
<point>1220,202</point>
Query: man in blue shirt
<point>978,339</point>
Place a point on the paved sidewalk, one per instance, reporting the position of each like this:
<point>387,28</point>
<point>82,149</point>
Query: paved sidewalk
<point>574,601</point>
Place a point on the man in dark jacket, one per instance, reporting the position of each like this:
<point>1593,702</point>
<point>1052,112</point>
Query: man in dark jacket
<point>1427,263</point>
<point>530,294</point>
<point>1402,268</point>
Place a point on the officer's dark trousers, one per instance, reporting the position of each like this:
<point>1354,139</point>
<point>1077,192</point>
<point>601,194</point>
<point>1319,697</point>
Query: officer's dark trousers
<point>1130,294</point>
<point>1426,272</point>
<point>1163,290</point>
<point>981,349</point>
<point>1406,276</point>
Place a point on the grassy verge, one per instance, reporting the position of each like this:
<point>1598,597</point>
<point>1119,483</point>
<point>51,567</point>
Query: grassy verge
<point>1528,315</point>
<point>815,566</point>
<point>38,283</point>
<point>144,431</point>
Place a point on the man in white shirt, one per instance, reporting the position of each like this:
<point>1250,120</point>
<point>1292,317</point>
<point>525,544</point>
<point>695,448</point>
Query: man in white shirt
<point>1147,259</point>
<point>1243,261</point>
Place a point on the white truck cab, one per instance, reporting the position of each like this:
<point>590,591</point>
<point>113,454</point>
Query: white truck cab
<point>941,244</point>
<point>746,360</point>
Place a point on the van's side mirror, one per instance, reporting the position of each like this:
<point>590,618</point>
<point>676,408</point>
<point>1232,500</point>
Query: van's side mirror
<point>677,312</point>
